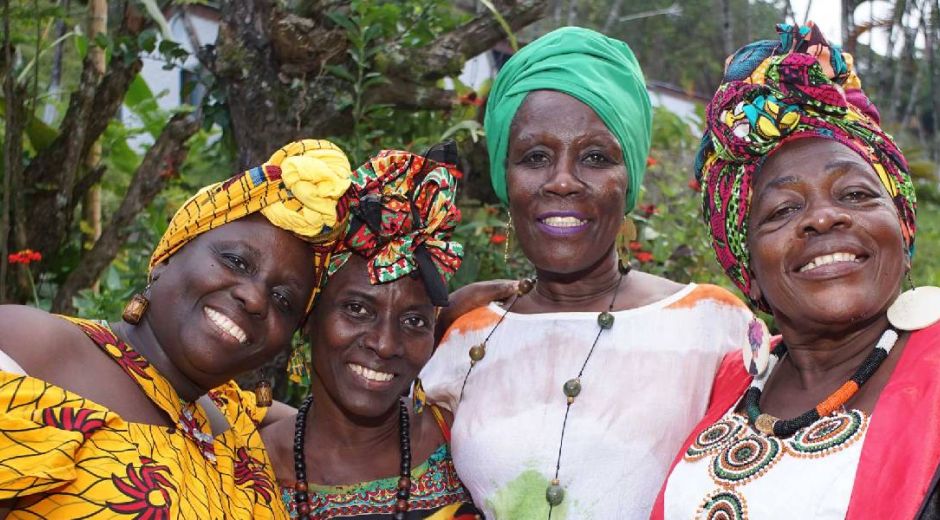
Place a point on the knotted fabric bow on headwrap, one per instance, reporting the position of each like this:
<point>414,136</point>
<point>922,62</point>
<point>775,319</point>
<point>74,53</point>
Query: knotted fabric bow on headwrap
<point>297,189</point>
<point>401,214</point>
<point>598,71</point>
<point>775,92</point>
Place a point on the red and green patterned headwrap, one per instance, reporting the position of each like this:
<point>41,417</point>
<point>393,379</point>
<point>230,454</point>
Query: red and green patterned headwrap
<point>775,92</point>
<point>400,214</point>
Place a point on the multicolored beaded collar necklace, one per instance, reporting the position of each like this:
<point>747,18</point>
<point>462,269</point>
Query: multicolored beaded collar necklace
<point>555,493</point>
<point>301,498</point>
<point>770,425</point>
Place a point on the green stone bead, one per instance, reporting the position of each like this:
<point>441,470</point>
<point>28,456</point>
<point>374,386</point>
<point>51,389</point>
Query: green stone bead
<point>477,352</point>
<point>554,494</point>
<point>605,320</point>
<point>572,387</point>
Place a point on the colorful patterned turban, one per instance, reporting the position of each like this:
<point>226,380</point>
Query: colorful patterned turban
<point>600,72</point>
<point>401,214</point>
<point>775,92</point>
<point>297,189</point>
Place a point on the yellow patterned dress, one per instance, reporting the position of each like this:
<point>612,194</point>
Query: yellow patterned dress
<point>63,456</point>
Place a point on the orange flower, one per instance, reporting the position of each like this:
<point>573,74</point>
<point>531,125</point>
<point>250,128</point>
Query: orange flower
<point>635,246</point>
<point>651,161</point>
<point>497,239</point>
<point>648,210</point>
<point>694,185</point>
<point>644,256</point>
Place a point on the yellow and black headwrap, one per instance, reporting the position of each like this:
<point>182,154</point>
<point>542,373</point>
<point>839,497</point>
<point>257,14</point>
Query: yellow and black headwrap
<point>297,189</point>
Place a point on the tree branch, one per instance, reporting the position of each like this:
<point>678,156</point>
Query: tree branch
<point>411,95</point>
<point>159,165</point>
<point>445,55</point>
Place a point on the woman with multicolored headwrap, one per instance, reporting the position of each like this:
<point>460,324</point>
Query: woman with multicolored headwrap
<point>810,207</point>
<point>140,419</point>
<point>571,400</point>
<point>356,448</point>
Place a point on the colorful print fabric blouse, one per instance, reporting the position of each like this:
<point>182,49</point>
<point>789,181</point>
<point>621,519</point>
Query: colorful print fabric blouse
<point>436,494</point>
<point>67,457</point>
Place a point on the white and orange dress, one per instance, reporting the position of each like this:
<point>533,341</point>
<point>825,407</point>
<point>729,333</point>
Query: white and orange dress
<point>644,388</point>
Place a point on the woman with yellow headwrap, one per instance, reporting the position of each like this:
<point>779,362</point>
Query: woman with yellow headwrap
<point>101,420</point>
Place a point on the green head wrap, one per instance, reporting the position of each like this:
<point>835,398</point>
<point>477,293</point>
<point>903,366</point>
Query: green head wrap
<point>600,72</point>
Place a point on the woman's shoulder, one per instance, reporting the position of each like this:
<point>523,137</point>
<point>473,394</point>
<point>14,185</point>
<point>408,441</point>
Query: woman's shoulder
<point>34,338</point>
<point>710,296</point>
<point>477,320</point>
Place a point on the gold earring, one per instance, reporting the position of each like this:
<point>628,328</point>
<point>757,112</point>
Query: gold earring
<point>627,234</point>
<point>135,309</point>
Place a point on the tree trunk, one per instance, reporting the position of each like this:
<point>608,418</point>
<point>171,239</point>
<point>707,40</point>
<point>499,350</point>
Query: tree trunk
<point>727,35</point>
<point>284,50</point>
<point>91,205</point>
<point>55,77</point>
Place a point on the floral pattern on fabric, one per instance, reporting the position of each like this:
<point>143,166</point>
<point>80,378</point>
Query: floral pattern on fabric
<point>436,493</point>
<point>773,93</point>
<point>68,457</point>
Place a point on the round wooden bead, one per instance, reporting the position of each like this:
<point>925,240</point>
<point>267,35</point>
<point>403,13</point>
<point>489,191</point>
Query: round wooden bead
<point>524,286</point>
<point>572,387</point>
<point>401,506</point>
<point>404,483</point>
<point>477,352</point>
<point>605,320</point>
<point>555,494</point>
<point>301,486</point>
<point>304,508</point>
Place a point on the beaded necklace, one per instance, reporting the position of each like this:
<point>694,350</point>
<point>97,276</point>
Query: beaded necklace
<point>301,498</point>
<point>554,493</point>
<point>770,425</point>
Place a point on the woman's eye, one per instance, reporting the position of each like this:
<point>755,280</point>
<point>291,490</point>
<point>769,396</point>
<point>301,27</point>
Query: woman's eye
<point>781,212</point>
<point>416,322</point>
<point>597,159</point>
<point>236,262</point>
<point>857,196</point>
<point>535,158</point>
<point>282,301</point>
<point>356,309</point>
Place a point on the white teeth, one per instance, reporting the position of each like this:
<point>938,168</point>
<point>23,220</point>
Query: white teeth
<point>563,221</point>
<point>820,261</point>
<point>228,326</point>
<point>371,375</point>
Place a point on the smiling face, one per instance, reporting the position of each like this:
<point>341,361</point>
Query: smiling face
<point>566,181</point>
<point>230,299</point>
<point>369,341</point>
<point>824,237</point>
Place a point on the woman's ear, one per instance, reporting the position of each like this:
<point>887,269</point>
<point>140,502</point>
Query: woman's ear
<point>754,292</point>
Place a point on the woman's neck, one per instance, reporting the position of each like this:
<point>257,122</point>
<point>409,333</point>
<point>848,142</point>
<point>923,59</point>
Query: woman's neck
<point>581,290</point>
<point>329,423</point>
<point>822,354</point>
<point>144,342</point>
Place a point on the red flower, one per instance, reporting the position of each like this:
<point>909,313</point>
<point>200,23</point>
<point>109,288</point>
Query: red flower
<point>694,185</point>
<point>497,239</point>
<point>72,419</point>
<point>470,98</point>
<point>644,256</point>
<point>648,210</point>
<point>651,161</point>
<point>148,490</point>
<point>25,257</point>
<point>635,246</point>
<point>249,470</point>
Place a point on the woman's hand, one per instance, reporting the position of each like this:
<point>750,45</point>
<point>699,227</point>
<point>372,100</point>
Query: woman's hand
<point>470,297</point>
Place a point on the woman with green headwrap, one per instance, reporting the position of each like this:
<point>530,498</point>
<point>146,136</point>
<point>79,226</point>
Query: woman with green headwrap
<point>569,399</point>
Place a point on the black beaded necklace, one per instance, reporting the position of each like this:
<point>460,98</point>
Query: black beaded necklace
<point>554,493</point>
<point>301,498</point>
